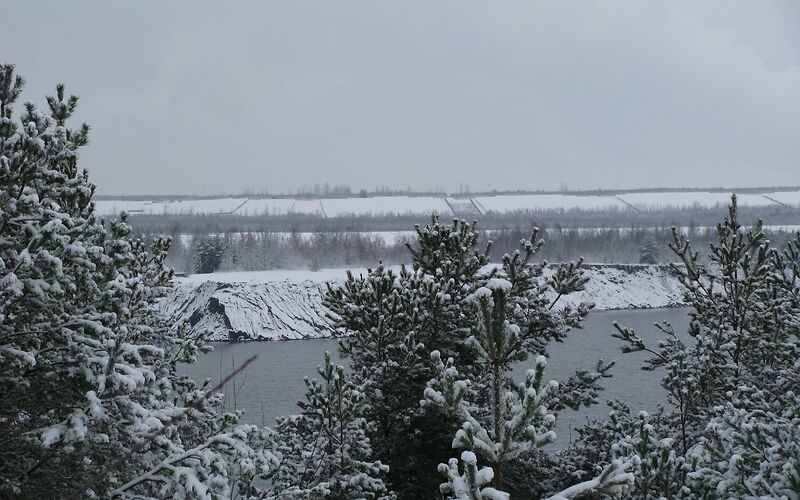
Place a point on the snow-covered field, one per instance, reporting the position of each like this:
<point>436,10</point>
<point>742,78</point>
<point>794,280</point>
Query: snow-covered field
<point>545,202</point>
<point>786,197</point>
<point>385,205</point>
<point>273,305</point>
<point>700,199</point>
<point>416,205</point>
<point>208,206</point>
<point>278,206</point>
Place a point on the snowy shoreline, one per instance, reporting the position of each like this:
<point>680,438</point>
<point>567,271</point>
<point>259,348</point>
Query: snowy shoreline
<point>287,305</point>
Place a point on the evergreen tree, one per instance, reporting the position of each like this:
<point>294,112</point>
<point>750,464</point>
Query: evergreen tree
<point>503,422</point>
<point>659,469</point>
<point>732,428</point>
<point>750,448</point>
<point>394,320</point>
<point>324,451</point>
<point>208,254</point>
<point>744,324</point>
<point>649,250</point>
<point>382,353</point>
<point>87,365</point>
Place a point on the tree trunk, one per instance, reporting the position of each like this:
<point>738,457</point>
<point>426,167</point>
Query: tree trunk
<point>497,413</point>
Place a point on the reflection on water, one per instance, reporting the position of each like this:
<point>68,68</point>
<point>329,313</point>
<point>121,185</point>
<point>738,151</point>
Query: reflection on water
<point>273,383</point>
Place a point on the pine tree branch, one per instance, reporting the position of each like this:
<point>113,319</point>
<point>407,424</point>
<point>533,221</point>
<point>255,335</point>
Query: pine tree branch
<point>141,444</point>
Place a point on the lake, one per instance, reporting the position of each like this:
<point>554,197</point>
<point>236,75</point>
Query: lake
<point>273,383</point>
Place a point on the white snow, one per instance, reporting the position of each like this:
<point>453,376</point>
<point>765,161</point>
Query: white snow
<point>288,304</point>
<point>311,207</point>
<point>204,206</point>
<point>786,197</point>
<point>499,284</point>
<point>386,205</point>
<point>627,287</point>
<point>701,199</point>
<point>425,205</point>
<point>543,202</point>
<point>290,275</point>
<point>480,293</point>
<point>786,228</point>
<point>260,310</point>
<point>266,206</point>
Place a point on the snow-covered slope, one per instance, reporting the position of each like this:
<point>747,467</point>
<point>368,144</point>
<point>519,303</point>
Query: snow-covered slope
<point>276,305</point>
<point>628,286</point>
<point>545,202</point>
<point>265,310</point>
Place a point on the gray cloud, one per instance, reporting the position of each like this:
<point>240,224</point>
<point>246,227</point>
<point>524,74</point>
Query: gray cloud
<point>210,97</point>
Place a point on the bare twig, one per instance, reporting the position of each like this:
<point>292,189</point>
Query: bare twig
<point>141,444</point>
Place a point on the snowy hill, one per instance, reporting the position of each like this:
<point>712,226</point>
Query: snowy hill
<point>277,305</point>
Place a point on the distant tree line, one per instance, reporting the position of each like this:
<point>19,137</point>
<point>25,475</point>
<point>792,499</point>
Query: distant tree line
<point>264,251</point>
<point>260,251</point>
<point>694,217</point>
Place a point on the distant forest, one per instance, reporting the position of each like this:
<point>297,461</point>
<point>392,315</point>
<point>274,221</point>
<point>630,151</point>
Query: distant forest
<point>301,241</point>
<point>565,219</point>
<point>213,250</point>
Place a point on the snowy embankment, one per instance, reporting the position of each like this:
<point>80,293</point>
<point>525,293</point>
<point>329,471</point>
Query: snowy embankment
<point>275,305</point>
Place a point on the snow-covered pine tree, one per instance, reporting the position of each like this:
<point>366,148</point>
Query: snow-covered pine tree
<point>447,264</point>
<point>659,469</point>
<point>209,253</point>
<point>394,320</point>
<point>382,354</point>
<point>514,317</point>
<point>750,448</point>
<point>530,302</point>
<point>515,420</point>
<point>744,323</point>
<point>733,389</point>
<point>324,452</point>
<point>520,422</point>
<point>87,365</point>
<point>649,250</point>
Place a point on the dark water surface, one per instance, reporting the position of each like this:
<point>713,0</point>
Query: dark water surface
<point>273,383</point>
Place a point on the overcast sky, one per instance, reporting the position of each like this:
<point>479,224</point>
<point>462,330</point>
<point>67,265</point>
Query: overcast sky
<point>219,97</point>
